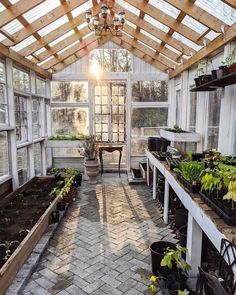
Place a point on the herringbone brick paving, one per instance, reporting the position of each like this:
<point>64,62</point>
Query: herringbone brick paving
<point>102,245</point>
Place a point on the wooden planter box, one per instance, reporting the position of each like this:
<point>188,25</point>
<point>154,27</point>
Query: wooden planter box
<point>22,252</point>
<point>64,143</point>
<point>180,137</point>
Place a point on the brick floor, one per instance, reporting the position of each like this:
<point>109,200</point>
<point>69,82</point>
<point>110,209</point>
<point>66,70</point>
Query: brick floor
<point>102,245</point>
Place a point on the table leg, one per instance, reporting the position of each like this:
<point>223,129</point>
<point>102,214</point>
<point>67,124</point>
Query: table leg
<point>154,194</point>
<point>148,175</point>
<point>166,202</point>
<point>120,161</point>
<point>101,161</point>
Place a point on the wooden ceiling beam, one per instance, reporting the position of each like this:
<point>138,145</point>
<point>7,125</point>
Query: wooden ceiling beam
<point>6,52</point>
<point>70,51</point>
<point>45,20</point>
<point>151,29</point>
<point>150,42</point>
<point>13,11</point>
<point>198,14</point>
<point>166,62</point>
<point>139,54</point>
<point>79,54</point>
<point>167,20</point>
<point>214,45</point>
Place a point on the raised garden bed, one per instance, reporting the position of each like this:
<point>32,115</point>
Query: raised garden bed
<point>193,188</point>
<point>25,215</point>
<point>180,136</point>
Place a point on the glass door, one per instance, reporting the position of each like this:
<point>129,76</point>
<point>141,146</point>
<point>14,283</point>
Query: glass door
<point>110,111</point>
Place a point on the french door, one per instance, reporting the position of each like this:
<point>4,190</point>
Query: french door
<point>109,111</point>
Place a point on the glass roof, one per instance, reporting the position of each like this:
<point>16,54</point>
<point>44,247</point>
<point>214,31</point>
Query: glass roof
<point>186,41</point>
<point>165,7</point>
<point>63,37</point>
<point>41,9</point>
<point>151,36</point>
<point>129,7</point>
<point>13,27</point>
<point>24,43</point>
<point>82,8</point>
<point>49,28</point>
<point>219,9</point>
<point>156,23</point>
<point>69,46</point>
<point>194,25</point>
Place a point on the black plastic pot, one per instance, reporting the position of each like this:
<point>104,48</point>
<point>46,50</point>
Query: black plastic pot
<point>224,70</point>
<point>55,216</point>
<point>158,250</point>
<point>61,206</point>
<point>205,78</point>
<point>154,143</point>
<point>197,81</point>
<point>78,179</point>
<point>181,217</point>
<point>57,176</point>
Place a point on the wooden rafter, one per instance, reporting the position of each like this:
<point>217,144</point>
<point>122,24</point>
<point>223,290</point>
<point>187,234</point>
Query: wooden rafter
<point>198,14</point>
<point>139,54</point>
<point>79,54</point>
<point>15,10</point>
<point>150,42</point>
<point>166,62</point>
<point>204,52</point>
<point>167,20</point>
<point>151,29</point>
<point>70,51</point>
<point>6,52</point>
<point>45,20</point>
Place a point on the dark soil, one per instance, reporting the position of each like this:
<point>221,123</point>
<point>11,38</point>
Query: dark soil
<point>21,213</point>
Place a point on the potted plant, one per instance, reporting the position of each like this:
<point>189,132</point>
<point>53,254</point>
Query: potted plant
<point>228,65</point>
<point>91,161</point>
<point>177,134</point>
<point>230,196</point>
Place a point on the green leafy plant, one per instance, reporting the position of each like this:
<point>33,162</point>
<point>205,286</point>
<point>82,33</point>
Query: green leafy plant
<point>191,171</point>
<point>230,58</point>
<point>78,136</point>
<point>91,148</point>
<point>55,192</point>
<point>176,129</point>
<point>184,292</point>
<point>231,194</point>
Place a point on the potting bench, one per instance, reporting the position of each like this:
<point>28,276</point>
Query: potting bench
<point>200,216</point>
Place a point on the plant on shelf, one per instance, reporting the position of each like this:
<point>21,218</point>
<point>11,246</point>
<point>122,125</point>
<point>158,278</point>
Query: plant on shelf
<point>203,71</point>
<point>78,136</point>
<point>176,129</point>
<point>229,65</point>
<point>231,194</point>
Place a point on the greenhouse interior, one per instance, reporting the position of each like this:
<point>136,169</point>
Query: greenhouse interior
<point>118,147</point>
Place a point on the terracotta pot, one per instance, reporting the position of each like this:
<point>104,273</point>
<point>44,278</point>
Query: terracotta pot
<point>232,68</point>
<point>92,170</point>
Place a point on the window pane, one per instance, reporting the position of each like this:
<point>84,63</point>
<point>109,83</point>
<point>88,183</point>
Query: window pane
<point>21,118</point>
<point>149,91</point>
<point>69,121</point>
<point>21,80</point>
<point>213,119</point>
<point>193,111</point>
<point>69,91</point>
<point>3,104</point>
<point>147,121</point>
<point>138,147</point>
<point>2,72</point>
<point>40,86</point>
<point>4,155</point>
<point>37,158</point>
<point>22,165</point>
<point>35,118</point>
<point>178,107</point>
<point>112,60</point>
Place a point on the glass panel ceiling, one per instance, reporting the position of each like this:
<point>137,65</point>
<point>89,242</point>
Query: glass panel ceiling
<point>57,23</point>
<point>194,25</point>
<point>165,7</point>
<point>151,36</point>
<point>69,46</point>
<point>173,49</point>
<point>2,7</point>
<point>61,38</point>
<point>82,8</point>
<point>219,10</point>
<point>186,41</point>
<point>130,24</point>
<point>13,27</point>
<point>40,10</point>
<point>156,23</point>
<point>24,43</point>
<point>129,7</point>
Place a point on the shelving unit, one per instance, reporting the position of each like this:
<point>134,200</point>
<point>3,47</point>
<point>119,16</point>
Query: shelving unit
<point>217,83</point>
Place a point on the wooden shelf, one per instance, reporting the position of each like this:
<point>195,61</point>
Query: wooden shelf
<point>214,84</point>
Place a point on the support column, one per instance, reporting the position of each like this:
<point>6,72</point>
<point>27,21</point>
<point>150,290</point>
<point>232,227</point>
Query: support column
<point>166,202</point>
<point>148,174</point>
<point>43,158</point>
<point>194,245</point>
<point>154,194</point>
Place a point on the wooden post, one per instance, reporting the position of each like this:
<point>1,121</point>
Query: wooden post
<point>194,245</point>
<point>166,202</point>
<point>154,195</point>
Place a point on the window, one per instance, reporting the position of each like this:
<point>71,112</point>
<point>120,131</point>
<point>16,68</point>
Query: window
<point>69,91</point>
<point>21,118</point>
<point>213,119</point>
<point>149,91</point>
<point>147,121</point>
<point>69,120</point>
<point>3,96</point>
<point>35,117</point>
<point>37,159</point>
<point>4,155</point>
<point>40,86</point>
<point>193,111</point>
<point>21,80</point>
<point>178,108</point>
<point>22,165</point>
<point>112,60</point>
<point>47,109</point>
<point>138,147</point>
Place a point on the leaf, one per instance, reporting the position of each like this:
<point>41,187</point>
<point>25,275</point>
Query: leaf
<point>185,292</point>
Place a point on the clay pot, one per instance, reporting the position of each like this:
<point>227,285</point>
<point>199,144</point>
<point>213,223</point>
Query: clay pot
<point>92,170</point>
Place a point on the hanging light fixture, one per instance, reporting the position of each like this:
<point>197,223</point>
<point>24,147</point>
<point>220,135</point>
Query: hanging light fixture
<point>100,25</point>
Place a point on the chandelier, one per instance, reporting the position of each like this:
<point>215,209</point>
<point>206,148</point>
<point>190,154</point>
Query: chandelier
<point>100,23</point>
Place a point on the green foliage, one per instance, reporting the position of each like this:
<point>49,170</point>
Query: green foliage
<point>173,258</point>
<point>231,195</point>
<point>230,58</point>
<point>184,292</point>
<point>176,129</point>
<point>55,192</point>
<point>191,171</point>
<point>78,136</point>
<point>91,148</point>
<point>7,245</point>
